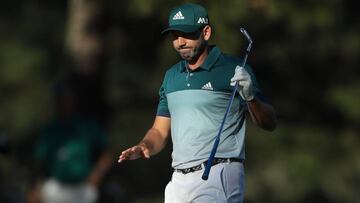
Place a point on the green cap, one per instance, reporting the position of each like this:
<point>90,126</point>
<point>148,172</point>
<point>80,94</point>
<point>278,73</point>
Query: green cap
<point>187,18</point>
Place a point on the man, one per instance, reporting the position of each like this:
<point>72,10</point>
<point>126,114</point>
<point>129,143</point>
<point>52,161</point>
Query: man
<point>193,99</point>
<point>71,155</point>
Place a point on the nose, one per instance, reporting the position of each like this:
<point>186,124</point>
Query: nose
<point>181,41</point>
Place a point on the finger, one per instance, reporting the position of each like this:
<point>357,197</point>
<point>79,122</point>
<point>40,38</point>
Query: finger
<point>123,156</point>
<point>126,155</point>
<point>238,68</point>
<point>121,159</point>
<point>238,77</point>
<point>136,148</point>
<point>243,83</point>
<point>134,152</point>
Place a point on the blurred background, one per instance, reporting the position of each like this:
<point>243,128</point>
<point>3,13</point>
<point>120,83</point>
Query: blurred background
<point>305,55</point>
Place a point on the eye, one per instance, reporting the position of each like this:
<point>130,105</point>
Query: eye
<point>193,35</point>
<point>175,35</point>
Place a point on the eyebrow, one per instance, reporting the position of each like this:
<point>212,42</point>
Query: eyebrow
<point>192,35</point>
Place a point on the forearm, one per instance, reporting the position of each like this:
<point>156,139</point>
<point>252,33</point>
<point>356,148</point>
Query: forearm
<point>262,114</point>
<point>154,141</point>
<point>100,169</point>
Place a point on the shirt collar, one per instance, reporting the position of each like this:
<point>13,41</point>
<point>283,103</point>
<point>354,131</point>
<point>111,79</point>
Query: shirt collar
<point>209,61</point>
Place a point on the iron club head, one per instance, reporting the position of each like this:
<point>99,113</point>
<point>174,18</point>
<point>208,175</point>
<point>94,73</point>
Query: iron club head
<point>243,31</point>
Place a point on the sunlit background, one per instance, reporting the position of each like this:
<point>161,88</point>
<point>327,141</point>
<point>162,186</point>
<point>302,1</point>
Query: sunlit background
<point>305,55</point>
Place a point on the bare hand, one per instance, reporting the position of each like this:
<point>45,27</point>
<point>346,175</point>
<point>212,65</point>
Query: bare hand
<point>135,152</point>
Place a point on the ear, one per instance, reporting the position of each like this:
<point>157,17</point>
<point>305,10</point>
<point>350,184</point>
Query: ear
<point>207,32</point>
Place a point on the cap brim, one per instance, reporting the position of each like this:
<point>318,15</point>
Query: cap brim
<point>182,28</point>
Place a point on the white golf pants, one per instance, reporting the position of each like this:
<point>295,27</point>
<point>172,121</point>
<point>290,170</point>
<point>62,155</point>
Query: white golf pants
<point>225,185</point>
<point>55,192</point>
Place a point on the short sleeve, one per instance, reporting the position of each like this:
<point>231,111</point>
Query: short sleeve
<point>162,109</point>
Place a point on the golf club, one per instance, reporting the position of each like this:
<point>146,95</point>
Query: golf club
<point>209,163</point>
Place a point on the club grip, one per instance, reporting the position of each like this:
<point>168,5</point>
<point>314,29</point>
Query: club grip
<point>205,175</point>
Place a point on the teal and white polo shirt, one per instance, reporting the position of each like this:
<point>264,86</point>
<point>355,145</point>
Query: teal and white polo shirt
<point>196,102</point>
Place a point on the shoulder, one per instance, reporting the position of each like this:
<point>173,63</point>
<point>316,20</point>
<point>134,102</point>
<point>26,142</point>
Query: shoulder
<point>175,67</point>
<point>226,64</point>
<point>218,57</point>
<point>231,59</point>
<point>174,70</point>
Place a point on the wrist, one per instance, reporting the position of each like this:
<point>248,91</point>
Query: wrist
<point>246,94</point>
<point>249,98</point>
<point>143,144</point>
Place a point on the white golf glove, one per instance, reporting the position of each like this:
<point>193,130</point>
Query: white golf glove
<point>245,84</point>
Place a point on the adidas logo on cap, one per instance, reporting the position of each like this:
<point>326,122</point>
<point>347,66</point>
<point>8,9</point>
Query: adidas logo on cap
<point>178,16</point>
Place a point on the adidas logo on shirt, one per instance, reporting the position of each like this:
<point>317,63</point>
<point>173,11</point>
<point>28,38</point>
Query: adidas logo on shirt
<point>207,86</point>
<point>178,16</point>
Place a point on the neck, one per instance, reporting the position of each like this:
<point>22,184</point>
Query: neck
<point>196,64</point>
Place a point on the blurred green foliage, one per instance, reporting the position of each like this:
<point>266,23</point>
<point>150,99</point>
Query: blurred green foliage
<point>305,55</point>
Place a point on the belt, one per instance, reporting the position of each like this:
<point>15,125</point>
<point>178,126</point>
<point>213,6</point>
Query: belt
<point>200,166</point>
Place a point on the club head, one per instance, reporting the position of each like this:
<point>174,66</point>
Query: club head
<point>242,30</point>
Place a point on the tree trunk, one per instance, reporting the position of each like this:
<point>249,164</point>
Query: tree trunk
<point>83,41</point>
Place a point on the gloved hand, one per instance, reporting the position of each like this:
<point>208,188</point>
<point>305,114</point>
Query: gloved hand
<point>245,84</point>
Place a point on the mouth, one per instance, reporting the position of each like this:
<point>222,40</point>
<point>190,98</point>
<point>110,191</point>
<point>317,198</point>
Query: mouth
<point>184,48</point>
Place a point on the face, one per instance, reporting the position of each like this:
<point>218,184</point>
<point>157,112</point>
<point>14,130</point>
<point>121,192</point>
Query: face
<point>190,45</point>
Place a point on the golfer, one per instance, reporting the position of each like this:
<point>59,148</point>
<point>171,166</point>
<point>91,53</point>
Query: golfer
<point>193,99</point>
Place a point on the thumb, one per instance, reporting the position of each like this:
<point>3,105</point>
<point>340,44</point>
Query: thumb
<point>145,152</point>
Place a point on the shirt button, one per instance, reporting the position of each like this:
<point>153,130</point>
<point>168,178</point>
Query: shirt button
<point>188,84</point>
<point>191,74</point>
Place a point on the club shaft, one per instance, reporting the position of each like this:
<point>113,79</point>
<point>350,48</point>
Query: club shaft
<point>205,175</point>
<point>217,140</point>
